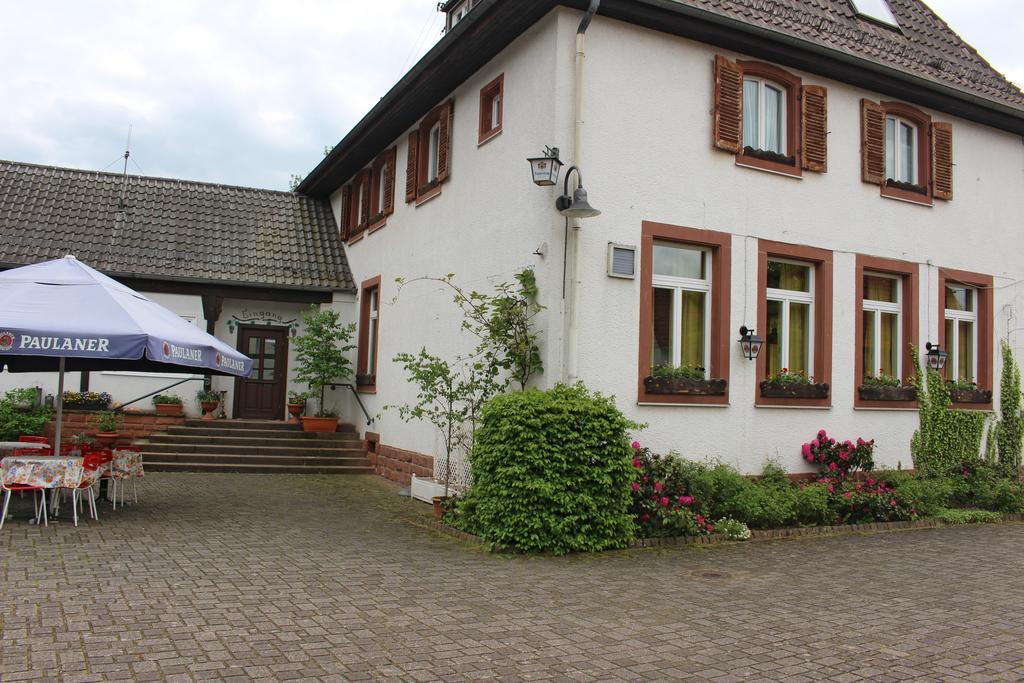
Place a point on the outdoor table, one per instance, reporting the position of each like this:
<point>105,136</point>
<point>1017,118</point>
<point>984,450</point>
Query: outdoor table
<point>14,445</point>
<point>44,471</point>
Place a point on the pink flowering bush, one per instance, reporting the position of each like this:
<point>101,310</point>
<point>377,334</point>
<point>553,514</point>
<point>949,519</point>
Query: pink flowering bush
<point>662,505</point>
<point>872,501</point>
<point>836,459</point>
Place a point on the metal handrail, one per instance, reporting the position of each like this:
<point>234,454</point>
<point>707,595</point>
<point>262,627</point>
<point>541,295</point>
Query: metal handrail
<point>369,420</point>
<point>162,389</point>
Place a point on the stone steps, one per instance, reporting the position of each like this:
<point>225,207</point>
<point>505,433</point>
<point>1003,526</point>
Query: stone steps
<point>256,446</point>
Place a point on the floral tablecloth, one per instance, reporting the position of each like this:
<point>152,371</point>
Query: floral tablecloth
<point>126,464</point>
<point>41,470</point>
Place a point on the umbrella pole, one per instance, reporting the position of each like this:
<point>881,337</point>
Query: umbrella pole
<point>60,408</point>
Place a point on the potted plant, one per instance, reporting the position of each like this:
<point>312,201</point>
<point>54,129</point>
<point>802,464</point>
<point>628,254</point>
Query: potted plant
<point>320,354</point>
<point>208,401</point>
<point>107,423</point>
<point>168,404</point>
<point>296,406</point>
<point>885,387</point>
<point>966,391</point>
<point>685,380</point>
<point>786,384</point>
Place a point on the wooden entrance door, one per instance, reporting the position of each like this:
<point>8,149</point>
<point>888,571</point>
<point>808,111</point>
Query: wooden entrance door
<point>261,395</point>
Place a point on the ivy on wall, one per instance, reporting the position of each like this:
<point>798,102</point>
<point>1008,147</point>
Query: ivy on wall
<point>1009,430</point>
<point>946,439</point>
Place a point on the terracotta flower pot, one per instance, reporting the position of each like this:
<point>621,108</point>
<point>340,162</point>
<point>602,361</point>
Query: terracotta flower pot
<point>169,409</point>
<point>438,502</point>
<point>319,424</point>
<point>107,439</point>
<point>209,409</point>
<point>294,412</point>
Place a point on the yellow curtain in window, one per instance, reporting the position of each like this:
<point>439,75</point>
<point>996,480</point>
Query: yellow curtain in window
<point>692,335</point>
<point>799,337</point>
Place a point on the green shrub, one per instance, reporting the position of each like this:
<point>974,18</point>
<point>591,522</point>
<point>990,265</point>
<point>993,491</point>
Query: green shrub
<point>715,488</point>
<point>167,399</point>
<point>930,494</point>
<point>811,505</point>
<point>968,516</point>
<point>872,501</point>
<point>19,414</point>
<point>661,505</point>
<point>552,472</point>
<point>732,529</point>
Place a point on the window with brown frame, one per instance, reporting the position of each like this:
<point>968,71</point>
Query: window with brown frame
<point>769,119</point>
<point>428,163</point>
<point>886,325</point>
<point>382,188</point>
<point>905,153</point>
<point>355,206</point>
<point>965,300</point>
<point>684,312</point>
<point>794,313</point>
<point>492,103</point>
<point>369,334</point>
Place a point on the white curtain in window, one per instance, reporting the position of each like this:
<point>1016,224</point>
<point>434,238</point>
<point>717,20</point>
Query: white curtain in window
<point>772,120</point>
<point>751,106</point>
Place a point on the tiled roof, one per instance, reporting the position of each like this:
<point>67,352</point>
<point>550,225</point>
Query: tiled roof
<point>924,46</point>
<point>169,229</point>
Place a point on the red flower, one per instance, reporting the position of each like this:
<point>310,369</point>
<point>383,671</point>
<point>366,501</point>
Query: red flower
<point>637,463</point>
<point>645,517</point>
<point>710,528</point>
<point>847,495</point>
<point>658,486</point>
<point>700,519</point>
<point>686,500</point>
<point>664,501</point>
<point>636,486</point>
<point>636,445</point>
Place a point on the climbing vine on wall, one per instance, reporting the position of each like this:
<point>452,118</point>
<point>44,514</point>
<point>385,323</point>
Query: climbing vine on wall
<point>1009,431</point>
<point>946,439</point>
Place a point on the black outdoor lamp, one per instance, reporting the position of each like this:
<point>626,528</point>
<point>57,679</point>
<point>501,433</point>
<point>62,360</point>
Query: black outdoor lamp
<point>750,343</point>
<point>577,206</point>
<point>936,356</point>
<point>545,168</point>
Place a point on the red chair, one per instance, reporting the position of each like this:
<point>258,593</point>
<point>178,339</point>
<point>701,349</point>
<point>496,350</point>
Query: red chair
<point>91,462</point>
<point>40,503</point>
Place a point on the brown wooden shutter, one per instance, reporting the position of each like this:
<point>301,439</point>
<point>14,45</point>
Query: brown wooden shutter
<point>814,145</point>
<point>364,218</point>
<point>872,142</point>
<point>444,142</point>
<point>942,160</point>
<point>411,166</point>
<point>389,182</point>
<point>728,128</point>
<point>346,207</point>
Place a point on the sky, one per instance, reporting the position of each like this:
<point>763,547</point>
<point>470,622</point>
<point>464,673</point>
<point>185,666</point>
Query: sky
<point>248,92</point>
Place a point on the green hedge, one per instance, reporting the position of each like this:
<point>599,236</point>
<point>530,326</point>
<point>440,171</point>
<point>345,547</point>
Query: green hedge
<point>552,473</point>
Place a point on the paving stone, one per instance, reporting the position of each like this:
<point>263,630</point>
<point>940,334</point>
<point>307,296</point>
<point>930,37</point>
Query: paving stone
<point>277,577</point>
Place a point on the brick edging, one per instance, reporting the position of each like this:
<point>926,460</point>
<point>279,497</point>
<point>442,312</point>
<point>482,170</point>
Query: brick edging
<point>755,534</point>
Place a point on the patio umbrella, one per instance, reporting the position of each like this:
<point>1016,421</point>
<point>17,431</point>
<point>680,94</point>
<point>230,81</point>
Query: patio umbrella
<point>62,315</point>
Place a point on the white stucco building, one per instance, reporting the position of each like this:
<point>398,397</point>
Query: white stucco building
<point>844,181</point>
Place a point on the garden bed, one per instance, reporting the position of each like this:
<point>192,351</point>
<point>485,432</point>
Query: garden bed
<point>755,534</point>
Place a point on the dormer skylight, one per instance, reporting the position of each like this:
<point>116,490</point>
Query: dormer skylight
<point>876,10</point>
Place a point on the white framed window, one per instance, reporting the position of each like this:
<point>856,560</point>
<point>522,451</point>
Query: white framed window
<point>433,148</point>
<point>882,325</point>
<point>961,318</point>
<point>681,296</point>
<point>764,115</point>
<point>789,342</point>
<point>901,140</point>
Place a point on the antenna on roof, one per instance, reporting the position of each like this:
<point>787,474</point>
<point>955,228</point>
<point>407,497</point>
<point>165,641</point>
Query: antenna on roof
<point>124,175</point>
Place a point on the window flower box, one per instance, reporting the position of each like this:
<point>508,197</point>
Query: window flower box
<point>770,389</point>
<point>970,395</point>
<point>684,386</point>
<point>875,392</point>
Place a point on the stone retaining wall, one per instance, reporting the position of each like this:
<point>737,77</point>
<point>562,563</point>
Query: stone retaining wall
<point>134,426</point>
<point>399,465</point>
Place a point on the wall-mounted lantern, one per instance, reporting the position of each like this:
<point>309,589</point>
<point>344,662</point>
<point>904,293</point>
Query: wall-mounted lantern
<point>545,168</point>
<point>936,356</point>
<point>750,343</point>
<point>577,206</point>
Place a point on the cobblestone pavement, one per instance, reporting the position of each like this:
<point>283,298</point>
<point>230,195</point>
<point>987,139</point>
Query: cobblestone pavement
<point>250,577</point>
